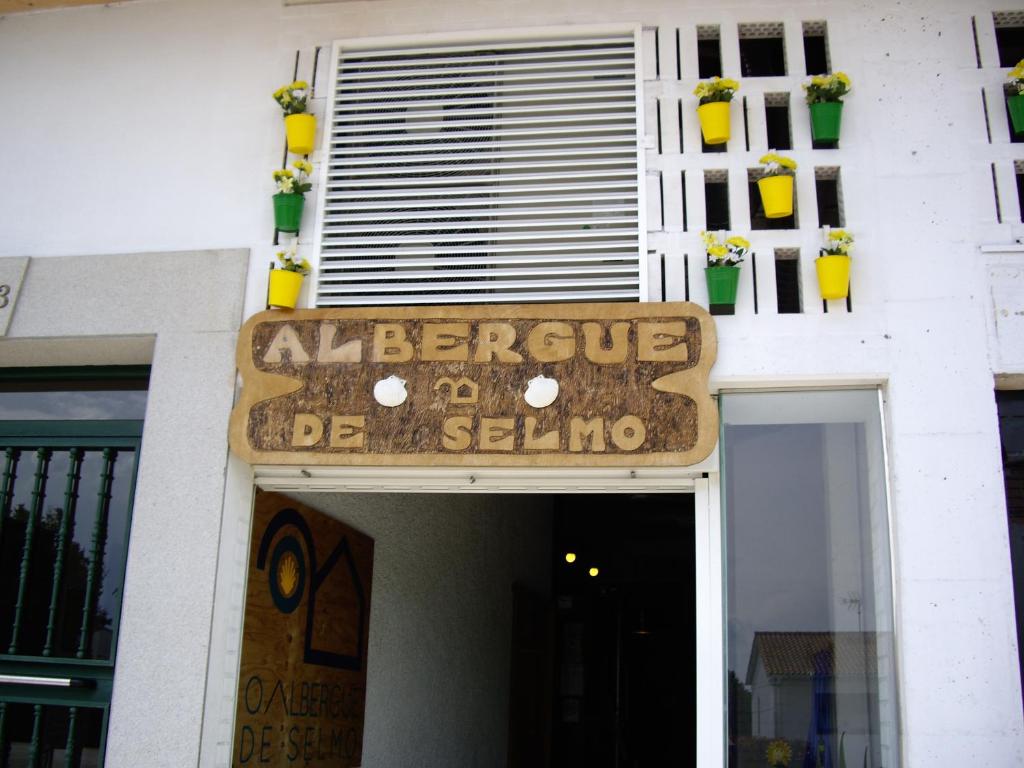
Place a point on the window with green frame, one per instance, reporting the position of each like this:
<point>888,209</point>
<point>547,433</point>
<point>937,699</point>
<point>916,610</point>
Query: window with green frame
<point>69,442</point>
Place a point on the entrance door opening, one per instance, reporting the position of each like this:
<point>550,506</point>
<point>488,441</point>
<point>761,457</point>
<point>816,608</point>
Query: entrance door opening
<point>625,658</point>
<point>488,647</point>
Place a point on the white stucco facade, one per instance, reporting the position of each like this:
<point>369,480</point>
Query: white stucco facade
<point>147,128</point>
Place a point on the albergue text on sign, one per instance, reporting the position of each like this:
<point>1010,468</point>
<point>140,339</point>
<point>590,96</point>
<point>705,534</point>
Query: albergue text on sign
<point>632,385</point>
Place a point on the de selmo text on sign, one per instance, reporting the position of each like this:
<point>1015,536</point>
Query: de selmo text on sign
<point>632,381</point>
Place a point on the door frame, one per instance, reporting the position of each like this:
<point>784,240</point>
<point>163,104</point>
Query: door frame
<point>709,587</point>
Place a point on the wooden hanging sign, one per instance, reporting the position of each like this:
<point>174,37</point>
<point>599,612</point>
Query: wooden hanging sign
<point>493,385</point>
<point>302,677</point>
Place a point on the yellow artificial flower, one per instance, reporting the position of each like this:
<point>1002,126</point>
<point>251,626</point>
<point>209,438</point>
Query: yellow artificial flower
<point>305,265</point>
<point>839,234</point>
<point>779,160</point>
<point>819,80</point>
<point>843,78</point>
<point>739,242</point>
<point>299,85</point>
<point>713,86</point>
<point>303,166</point>
<point>779,753</point>
<point>718,250</point>
<point>708,238</point>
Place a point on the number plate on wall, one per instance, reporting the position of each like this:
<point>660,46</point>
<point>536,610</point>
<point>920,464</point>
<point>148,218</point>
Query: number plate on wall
<point>555,385</point>
<point>12,272</point>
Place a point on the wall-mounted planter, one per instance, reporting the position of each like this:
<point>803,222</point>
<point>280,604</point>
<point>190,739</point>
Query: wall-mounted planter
<point>776,195</point>
<point>288,211</point>
<point>1016,105</point>
<point>826,119</point>
<point>714,121</point>
<point>722,285</point>
<point>833,276</point>
<point>301,132</point>
<point>284,288</point>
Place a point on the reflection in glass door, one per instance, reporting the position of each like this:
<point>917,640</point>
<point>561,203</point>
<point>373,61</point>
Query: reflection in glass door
<point>810,652</point>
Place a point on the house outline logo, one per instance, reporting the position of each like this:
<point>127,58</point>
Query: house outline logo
<point>290,573</point>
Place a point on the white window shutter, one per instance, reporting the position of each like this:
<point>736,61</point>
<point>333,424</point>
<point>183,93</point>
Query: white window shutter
<point>491,172</point>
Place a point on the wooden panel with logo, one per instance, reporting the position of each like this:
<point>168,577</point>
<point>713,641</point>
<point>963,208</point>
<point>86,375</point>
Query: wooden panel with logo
<point>302,682</point>
<point>571,384</point>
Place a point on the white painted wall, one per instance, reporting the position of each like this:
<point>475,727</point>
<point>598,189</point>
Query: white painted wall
<point>437,685</point>
<point>149,127</point>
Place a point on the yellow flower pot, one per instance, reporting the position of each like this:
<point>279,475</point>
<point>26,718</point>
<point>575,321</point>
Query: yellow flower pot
<point>776,195</point>
<point>284,288</point>
<point>301,132</point>
<point>714,121</point>
<point>833,276</point>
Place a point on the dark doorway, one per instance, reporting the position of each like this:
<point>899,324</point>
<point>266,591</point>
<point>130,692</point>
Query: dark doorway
<point>1010,405</point>
<point>625,654</point>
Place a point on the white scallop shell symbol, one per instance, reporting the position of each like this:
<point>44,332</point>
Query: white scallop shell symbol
<point>390,392</point>
<point>541,391</point>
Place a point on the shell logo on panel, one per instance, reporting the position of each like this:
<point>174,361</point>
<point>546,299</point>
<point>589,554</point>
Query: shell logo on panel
<point>302,676</point>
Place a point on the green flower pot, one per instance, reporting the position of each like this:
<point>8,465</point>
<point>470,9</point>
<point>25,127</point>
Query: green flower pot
<point>1016,105</point>
<point>722,285</point>
<point>288,211</point>
<point>826,117</point>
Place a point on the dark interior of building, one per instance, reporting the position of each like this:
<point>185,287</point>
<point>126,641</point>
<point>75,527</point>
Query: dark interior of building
<point>620,659</point>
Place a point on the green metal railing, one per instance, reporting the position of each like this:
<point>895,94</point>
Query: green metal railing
<point>60,596</point>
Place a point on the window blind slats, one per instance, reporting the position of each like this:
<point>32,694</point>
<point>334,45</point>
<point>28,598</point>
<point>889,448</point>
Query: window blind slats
<point>493,68</point>
<point>511,49</point>
<point>354,106</point>
<point>519,271</point>
<point>362,194</point>
<point>441,238</point>
<point>459,226</point>
<point>500,172</point>
<point>562,78</point>
<point>508,200</point>
<point>482,297</point>
<point>452,282</point>
<point>413,161</point>
<point>591,144</point>
<point>347,266</point>
<point>387,130</point>
<point>416,185</point>
<point>343,250</point>
<point>412,172</point>
<point>417,217</point>
<point>414,94</point>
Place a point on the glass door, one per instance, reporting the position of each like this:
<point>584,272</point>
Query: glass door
<point>65,509</point>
